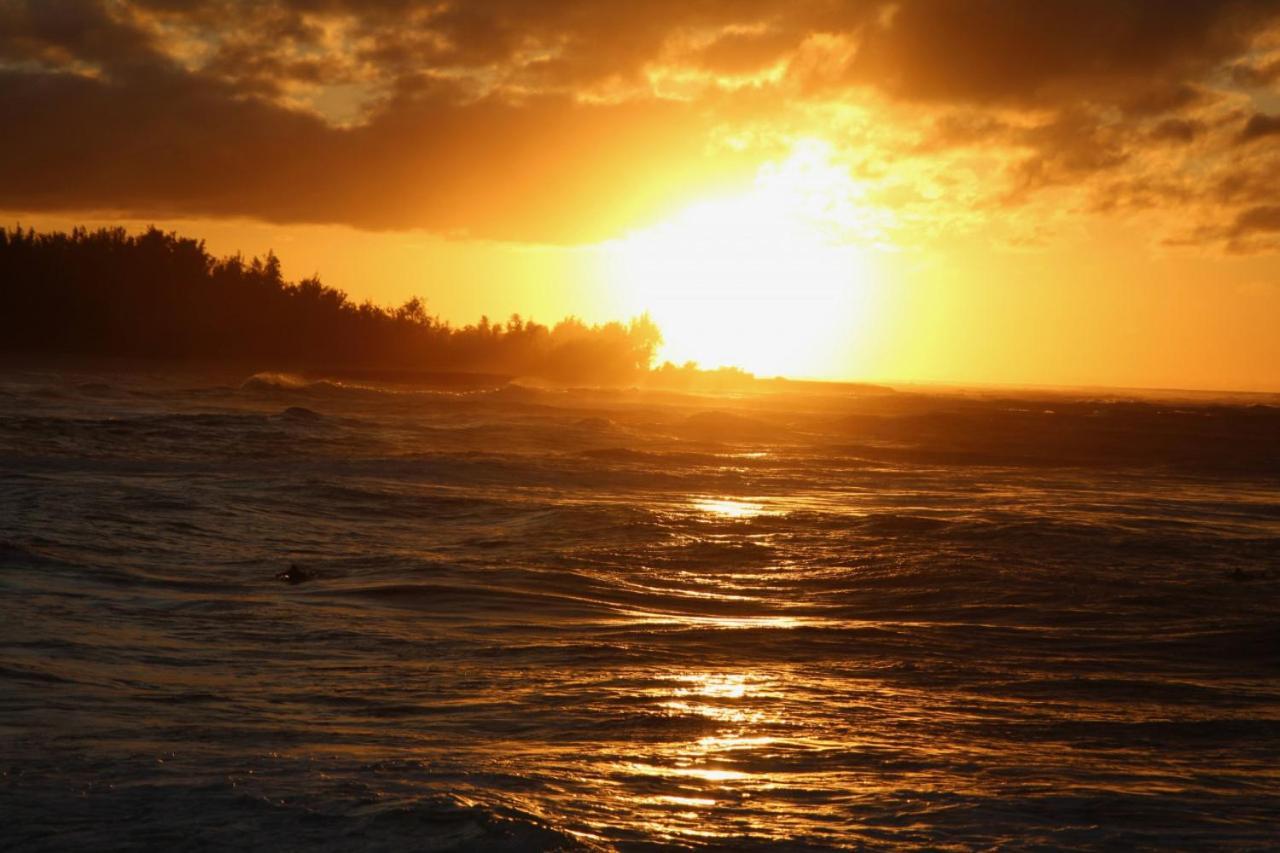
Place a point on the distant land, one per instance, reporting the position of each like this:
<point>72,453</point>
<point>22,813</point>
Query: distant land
<point>108,294</point>
<point>158,296</point>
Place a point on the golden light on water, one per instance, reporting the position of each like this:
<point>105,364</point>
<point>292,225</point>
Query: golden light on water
<point>773,280</point>
<point>715,685</point>
<point>699,777</point>
<point>706,774</point>
<point>729,699</point>
<point>728,508</point>
<point>674,800</point>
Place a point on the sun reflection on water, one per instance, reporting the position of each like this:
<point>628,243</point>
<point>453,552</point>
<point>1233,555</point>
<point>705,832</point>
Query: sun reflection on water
<point>728,508</point>
<point>674,800</point>
<point>680,784</point>
<point>729,686</point>
<point>706,774</point>
<point>655,619</point>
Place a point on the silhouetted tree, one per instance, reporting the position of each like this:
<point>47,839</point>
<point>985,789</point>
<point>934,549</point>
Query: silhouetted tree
<point>158,295</point>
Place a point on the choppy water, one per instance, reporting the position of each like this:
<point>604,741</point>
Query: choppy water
<point>560,619</point>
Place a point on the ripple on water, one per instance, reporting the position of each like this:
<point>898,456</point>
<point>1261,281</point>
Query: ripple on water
<point>560,620</point>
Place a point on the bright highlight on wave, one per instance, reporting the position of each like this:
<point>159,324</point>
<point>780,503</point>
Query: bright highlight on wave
<point>776,280</point>
<point>728,508</point>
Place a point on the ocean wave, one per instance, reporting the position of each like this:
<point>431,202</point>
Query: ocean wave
<point>541,618</point>
<point>235,815</point>
<point>13,553</point>
<point>274,383</point>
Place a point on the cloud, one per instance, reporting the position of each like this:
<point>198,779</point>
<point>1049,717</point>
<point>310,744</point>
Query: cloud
<point>1072,146</point>
<point>1256,74</point>
<point>1263,218</point>
<point>1254,229</point>
<point>76,34</point>
<point>1051,50</point>
<point>1177,130</point>
<point>547,169</point>
<point>1260,125</point>
<point>574,120</point>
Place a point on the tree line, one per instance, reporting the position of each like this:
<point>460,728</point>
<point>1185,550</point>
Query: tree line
<point>157,295</point>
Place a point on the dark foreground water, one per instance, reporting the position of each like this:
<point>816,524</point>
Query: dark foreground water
<point>581,619</point>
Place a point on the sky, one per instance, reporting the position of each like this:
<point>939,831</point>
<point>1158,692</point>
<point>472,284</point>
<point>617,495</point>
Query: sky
<point>1048,192</point>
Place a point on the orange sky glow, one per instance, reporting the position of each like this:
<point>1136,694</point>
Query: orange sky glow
<point>1048,193</point>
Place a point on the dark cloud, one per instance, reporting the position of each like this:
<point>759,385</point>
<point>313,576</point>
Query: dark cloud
<point>1247,182</point>
<point>539,121</point>
<point>1260,125</point>
<point>79,32</point>
<point>1256,75</point>
<point>1073,146</point>
<point>547,169</point>
<point>1254,229</point>
<point>1141,193</point>
<point>1161,97</point>
<point>1046,50</point>
<point>1264,218</point>
<point>1177,130</point>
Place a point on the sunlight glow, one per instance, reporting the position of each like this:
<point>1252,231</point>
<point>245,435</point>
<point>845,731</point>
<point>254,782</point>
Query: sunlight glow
<point>728,508</point>
<point>774,280</point>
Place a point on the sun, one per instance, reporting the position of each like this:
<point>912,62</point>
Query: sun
<point>775,280</point>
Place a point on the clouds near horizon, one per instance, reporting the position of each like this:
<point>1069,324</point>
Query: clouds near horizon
<point>570,121</point>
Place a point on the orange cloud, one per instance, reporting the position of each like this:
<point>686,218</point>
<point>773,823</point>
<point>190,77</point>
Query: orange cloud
<point>570,121</point>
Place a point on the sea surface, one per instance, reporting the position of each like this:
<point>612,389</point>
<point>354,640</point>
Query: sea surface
<point>808,617</point>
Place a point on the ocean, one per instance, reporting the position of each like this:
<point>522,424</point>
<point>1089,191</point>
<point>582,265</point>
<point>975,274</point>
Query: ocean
<point>263,612</point>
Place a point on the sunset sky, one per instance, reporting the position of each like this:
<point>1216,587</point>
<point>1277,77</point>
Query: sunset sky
<point>1081,192</point>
